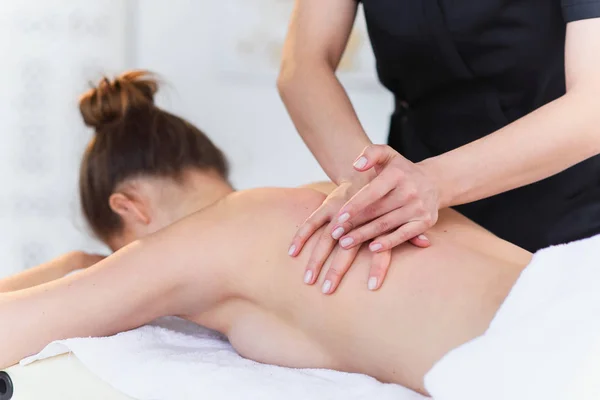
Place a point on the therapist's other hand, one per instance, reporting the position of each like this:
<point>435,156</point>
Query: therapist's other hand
<point>322,216</point>
<point>402,201</point>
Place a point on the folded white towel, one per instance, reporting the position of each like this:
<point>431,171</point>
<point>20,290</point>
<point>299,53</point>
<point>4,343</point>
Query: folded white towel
<point>544,342</point>
<point>175,359</point>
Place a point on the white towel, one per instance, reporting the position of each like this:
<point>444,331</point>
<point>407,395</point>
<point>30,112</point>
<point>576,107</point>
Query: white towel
<point>544,342</point>
<point>175,359</point>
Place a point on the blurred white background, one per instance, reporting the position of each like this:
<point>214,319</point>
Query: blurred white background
<point>218,60</point>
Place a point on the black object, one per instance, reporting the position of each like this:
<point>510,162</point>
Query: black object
<point>462,69</point>
<point>6,386</point>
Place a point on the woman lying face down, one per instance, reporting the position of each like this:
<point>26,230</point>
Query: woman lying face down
<point>154,187</point>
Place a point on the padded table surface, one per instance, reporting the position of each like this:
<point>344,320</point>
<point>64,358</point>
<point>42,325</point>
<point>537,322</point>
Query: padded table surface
<point>61,378</point>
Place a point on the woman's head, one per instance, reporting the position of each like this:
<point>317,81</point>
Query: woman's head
<point>139,154</point>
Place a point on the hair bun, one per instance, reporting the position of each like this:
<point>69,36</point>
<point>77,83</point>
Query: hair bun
<point>109,101</point>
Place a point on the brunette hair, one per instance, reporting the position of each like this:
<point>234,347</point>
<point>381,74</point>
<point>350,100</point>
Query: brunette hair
<point>134,138</point>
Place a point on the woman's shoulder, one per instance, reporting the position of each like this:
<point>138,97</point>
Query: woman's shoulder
<point>277,196</point>
<point>276,202</point>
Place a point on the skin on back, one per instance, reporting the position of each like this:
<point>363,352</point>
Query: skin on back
<point>433,299</point>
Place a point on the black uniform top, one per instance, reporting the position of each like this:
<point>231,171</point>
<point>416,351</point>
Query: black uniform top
<point>462,69</point>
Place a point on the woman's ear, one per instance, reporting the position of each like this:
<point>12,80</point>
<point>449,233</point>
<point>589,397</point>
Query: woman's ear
<point>129,209</point>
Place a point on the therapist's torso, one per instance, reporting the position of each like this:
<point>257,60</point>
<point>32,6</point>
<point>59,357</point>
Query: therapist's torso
<point>462,69</point>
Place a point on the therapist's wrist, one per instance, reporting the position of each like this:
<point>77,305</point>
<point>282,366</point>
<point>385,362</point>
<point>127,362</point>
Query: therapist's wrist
<point>436,172</point>
<point>345,171</point>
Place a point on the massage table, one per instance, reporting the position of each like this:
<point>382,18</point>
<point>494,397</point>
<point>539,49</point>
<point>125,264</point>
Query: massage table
<point>62,377</point>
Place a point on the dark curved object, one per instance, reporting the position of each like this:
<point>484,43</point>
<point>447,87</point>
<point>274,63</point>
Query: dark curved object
<point>6,386</point>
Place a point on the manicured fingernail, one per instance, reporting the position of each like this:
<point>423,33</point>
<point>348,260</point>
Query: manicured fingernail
<point>337,233</point>
<point>423,237</point>
<point>326,287</point>
<point>360,163</point>
<point>345,242</point>
<point>292,250</point>
<point>375,246</point>
<point>372,283</point>
<point>343,218</point>
<point>308,276</point>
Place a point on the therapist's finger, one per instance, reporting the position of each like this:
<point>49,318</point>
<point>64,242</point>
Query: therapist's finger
<point>369,194</point>
<point>319,255</point>
<point>371,212</point>
<point>374,155</point>
<point>317,219</point>
<point>340,264</point>
<point>379,268</point>
<point>403,234</point>
<point>377,227</point>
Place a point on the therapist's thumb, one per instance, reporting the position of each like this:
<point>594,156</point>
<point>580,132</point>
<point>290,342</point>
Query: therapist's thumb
<point>374,155</point>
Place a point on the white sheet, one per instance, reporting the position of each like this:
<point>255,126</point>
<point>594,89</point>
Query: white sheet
<point>175,359</point>
<point>544,342</point>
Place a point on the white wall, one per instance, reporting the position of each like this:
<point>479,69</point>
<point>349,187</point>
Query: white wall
<point>51,49</point>
<point>242,113</point>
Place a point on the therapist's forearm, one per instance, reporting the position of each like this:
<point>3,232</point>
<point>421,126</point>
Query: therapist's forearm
<point>541,144</point>
<point>324,117</point>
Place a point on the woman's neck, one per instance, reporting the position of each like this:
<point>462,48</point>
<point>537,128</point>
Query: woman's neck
<point>197,191</point>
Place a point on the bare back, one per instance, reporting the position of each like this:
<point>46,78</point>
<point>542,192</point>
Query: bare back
<point>433,299</point>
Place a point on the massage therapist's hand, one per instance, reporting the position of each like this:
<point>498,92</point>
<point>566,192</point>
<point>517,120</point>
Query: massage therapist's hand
<point>322,216</point>
<point>327,214</point>
<point>402,202</point>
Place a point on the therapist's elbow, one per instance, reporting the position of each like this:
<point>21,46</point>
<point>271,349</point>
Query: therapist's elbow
<point>295,75</point>
<point>287,79</point>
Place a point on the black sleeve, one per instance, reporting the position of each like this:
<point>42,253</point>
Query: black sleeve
<point>575,10</point>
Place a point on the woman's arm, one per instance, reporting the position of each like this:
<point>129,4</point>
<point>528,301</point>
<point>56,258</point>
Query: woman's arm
<point>315,99</point>
<point>49,271</point>
<point>323,114</point>
<point>543,143</point>
<point>177,271</point>
<point>120,293</point>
